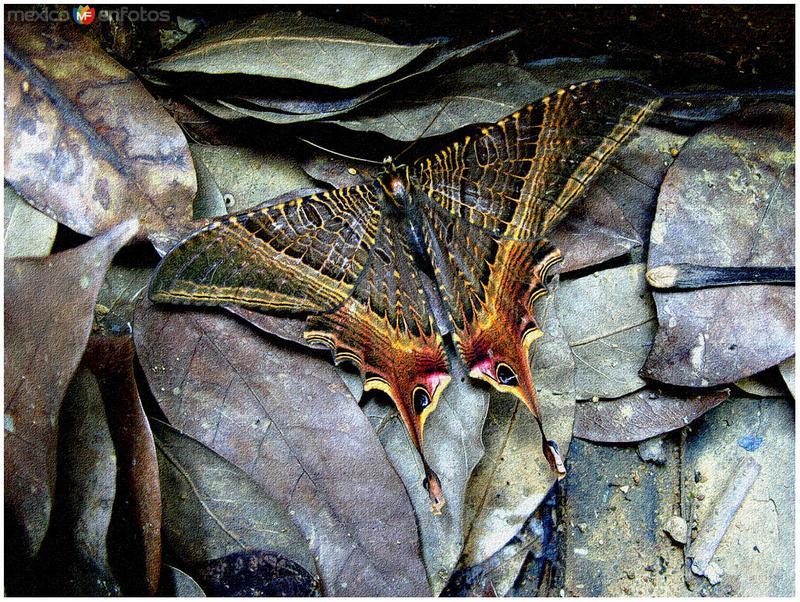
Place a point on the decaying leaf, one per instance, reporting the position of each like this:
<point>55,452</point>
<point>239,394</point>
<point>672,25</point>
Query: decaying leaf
<point>474,94</point>
<point>85,142</point>
<point>124,287</point>
<point>291,46</point>
<point>213,509</point>
<point>27,231</point>
<point>727,201</point>
<point>256,573</point>
<point>616,214</point>
<point>49,304</point>
<point>339,172</point>
<point>135,532</point>
<point>209,201</point>
<point>285,418</point>
<point>75,547</point>
<point>514,477</point>
<point>635,175</point>
<point>453,447</point>
<point>764,384</point>
<point>641,415</point>
<point>609,320</point>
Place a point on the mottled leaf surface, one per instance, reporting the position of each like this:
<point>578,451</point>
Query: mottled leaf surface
<point>453,447</point>
<point>49,304</point>
<point>641,415</point>
<point>291,46</point>
<point>514,477</point>
<point>727,201</point>
<point>85,142</point>
<point>609,320</point>
<point>213,509</point>
<point>287,419</point>
<point>27,232</point>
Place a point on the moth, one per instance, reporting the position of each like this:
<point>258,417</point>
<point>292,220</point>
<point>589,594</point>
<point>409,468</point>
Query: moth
<point>471,219</point>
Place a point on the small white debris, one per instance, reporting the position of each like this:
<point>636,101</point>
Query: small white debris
<point>676,528</point>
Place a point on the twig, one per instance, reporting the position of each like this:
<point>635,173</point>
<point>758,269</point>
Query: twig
<point>687,276</point>
<point>703,548</point>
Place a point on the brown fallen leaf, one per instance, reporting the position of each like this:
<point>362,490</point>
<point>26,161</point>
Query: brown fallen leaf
<point>214,510</point>
<point>641,415</point>
<point>135,537</point>
<point>733,182</point>
<point>287,419</point>
<point>85,142</point>
<point>49,305</point>
<point>293,46</point>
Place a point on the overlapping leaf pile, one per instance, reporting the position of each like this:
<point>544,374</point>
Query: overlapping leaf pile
<point>221,458</point>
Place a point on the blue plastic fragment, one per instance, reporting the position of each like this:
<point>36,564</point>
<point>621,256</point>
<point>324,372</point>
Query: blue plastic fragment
<point>751,443</point>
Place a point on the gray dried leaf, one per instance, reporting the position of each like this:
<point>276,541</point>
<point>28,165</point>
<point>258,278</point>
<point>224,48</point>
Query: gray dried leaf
<point>641,415</point>
<point>786,368</point>
<point>292,46</point>
<point>443,103</point>
<point>213,509</point>
<point>453,447</point>
<point>609,321</point>
<point>727,201</point>
<point>248,177</point>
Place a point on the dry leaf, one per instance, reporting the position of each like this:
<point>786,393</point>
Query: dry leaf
<point>514,477</point>
<point>641,415</point>
<point>85,142</point>
<point>727,201</point>
<point>27,231</point>
<point>609,321</point>
<point>212,509</point>
<point>291,46</point>
<point>135,536</point>
<point>48,316</point>
<point>286,419</point>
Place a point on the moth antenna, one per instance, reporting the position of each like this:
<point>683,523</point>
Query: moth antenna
<point>427,127</point>
<point>333,152</point>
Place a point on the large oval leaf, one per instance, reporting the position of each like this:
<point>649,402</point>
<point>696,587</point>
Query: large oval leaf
<point>727,201</point>
<point>292,46</point>
<point>287,419</point>
<point>213,509</point>
<point>85,142</point>
<point>443,103</point>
